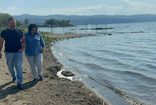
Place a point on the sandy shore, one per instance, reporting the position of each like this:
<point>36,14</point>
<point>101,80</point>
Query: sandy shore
<point>51,91</point>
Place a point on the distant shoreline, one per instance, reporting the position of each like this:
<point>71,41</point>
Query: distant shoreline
<point>90,19</point>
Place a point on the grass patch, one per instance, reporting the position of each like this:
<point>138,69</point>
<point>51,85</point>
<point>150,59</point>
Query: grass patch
<point>48,39</point>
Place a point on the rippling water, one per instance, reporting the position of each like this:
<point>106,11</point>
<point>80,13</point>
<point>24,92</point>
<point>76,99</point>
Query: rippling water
<point>124,61</point>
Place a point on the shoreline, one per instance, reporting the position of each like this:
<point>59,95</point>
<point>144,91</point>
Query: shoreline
<point>51,91</point>
<point>127,99</point>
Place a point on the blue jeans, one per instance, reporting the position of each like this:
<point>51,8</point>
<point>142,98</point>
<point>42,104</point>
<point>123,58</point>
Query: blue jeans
<point>35,62</point>
<point>14,61</point>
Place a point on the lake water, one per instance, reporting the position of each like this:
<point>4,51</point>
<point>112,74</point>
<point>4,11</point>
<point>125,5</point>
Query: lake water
<point>120,67</point>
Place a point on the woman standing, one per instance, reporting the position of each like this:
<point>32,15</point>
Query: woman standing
<point>33,51</point>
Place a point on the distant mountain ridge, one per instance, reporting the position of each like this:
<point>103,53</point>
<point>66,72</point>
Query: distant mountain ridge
<point>94,19</point>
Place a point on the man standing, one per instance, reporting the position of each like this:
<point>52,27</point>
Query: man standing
<point>14,47</point>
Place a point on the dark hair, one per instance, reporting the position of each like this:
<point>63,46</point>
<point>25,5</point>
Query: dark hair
<point>11,18</point>
<point>31,26</point>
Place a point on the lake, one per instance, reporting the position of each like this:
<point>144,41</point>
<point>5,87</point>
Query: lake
<point>120,67</point>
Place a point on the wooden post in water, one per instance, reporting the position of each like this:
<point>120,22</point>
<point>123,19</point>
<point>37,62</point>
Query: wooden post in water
<point>51,29</point>
<point>86,29</point>
<point>75,29</point>
<point>96,28</point>
<point>106,28</point>
<point>63,29</point>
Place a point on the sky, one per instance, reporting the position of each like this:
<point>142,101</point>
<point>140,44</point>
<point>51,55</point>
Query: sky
<point>78,7</point>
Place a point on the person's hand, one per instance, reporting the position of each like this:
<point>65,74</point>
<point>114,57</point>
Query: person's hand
<point>42,50</point>
<point>21,50</point>
<point>0,55</point>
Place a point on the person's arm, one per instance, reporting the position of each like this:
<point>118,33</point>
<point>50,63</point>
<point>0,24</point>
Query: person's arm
<point>1,46</point>
<point>23,44</point>
<point>42,43</point>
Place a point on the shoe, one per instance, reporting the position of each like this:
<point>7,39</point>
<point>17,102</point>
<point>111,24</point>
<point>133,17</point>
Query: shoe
<point>14,80</point>
<point>35,79</point>
<point>19,86</point>
<point>41,78</point>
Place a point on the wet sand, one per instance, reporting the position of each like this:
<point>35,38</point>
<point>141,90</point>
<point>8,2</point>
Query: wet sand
<point>51,91</point>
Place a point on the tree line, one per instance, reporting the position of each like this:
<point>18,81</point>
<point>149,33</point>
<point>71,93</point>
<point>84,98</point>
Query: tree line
<point>50,22</point>
<point>54,22</point>
<point>4,19</point>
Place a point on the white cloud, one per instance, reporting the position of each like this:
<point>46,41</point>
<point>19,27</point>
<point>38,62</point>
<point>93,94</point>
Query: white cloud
<point>90,10</point>
<point>138,8</point>
<point>7,10</point>
<point>78,10</point>
<point>10,9</point>
<point>127,7</point>
<point>112,10</point>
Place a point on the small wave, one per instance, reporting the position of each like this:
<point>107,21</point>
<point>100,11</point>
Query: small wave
<point>95,66</point>
<point>61,54</point>
<point>134,32</point>
<point>118,52</point>
<point>86,54</point>
<point>150,66</point>
<point>139,75</point>
<point>133,73</point>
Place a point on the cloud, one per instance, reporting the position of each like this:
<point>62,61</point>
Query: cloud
<point>138,8</point>
<point>78,10</point>
<point>7,10</point>
<point>127,7</point>
<point>10,9</point>
<point>89,10</point>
